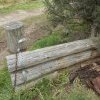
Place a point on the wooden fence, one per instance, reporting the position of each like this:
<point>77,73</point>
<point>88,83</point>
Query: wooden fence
<point>32,65</point>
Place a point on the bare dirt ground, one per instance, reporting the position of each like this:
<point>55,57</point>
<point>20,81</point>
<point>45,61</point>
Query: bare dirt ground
<point>18,16</point>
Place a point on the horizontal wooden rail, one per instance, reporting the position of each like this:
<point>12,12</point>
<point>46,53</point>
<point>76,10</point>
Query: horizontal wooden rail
<point>28,59</point>
<point>37,63</point>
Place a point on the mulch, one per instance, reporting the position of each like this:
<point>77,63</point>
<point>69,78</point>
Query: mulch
<point>89,75</point>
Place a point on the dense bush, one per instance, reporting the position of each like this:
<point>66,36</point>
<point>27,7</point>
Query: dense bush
<point>66,11</point>
<point>58,11</point>
<point>89,10</point>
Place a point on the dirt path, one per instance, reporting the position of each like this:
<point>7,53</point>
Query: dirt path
<point>16,16</point>
<point>20,15</point>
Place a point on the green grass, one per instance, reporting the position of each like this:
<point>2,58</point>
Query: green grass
<point>22,6</point>
<point>4,2</point>
<point>53,39</point>
<point>5,85</point>
<point>1,33</point>
<point>46,89</point>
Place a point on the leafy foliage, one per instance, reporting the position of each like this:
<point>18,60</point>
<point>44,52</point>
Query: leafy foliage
<point>89,11</point>
<point>66,11</point>
<point>59,11</point>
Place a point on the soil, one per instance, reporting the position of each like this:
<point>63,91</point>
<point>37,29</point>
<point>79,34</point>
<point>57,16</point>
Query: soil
<point>19,15</point>
<point>89,75</point>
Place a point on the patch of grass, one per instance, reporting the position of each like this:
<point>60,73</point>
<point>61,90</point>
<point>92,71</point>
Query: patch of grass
<point>4,2</point>
<point>22,6</point>
<point>53,39</point>
<point>46,89</point>
<point>1,34</point>
<point>5,85</point>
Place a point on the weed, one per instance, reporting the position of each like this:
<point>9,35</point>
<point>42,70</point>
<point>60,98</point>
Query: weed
<point>53,39</point>
<point>45,89</point>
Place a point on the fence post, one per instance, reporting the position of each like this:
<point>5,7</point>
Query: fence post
<point>15,36</point>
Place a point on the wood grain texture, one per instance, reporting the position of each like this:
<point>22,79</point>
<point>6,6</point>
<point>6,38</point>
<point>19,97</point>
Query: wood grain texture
<point>28,59</point>
<point>14,33</point>
<point>39,70</point>
<point>38,63</point>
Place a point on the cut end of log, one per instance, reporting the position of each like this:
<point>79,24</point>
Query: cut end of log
<point>13,25</point>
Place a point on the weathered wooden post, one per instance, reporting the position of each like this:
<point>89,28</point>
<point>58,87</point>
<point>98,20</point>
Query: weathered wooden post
<point>15,37</point>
